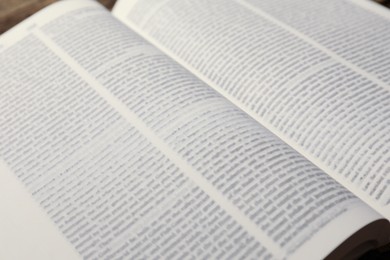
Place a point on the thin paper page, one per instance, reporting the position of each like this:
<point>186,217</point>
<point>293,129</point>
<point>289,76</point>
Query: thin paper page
<point>320,84</point>
<point>227,154</point>
<point>26,232</point>
<point>133,157</point>
<point>105,183</point>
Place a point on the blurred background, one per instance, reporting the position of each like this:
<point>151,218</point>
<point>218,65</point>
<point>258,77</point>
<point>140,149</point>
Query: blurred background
<point>14,11</point>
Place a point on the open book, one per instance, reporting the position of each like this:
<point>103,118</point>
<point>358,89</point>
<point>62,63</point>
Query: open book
<point>196,129</point>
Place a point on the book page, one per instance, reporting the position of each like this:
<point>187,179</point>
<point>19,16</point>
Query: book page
<point>313,72</point>
<point>26,232</point>
<point>131,156</point>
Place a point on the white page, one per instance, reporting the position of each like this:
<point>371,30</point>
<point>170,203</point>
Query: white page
<point>105,186</point>
<point>131,156</point>
<point>205,135</point>
<point>303,76</point>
